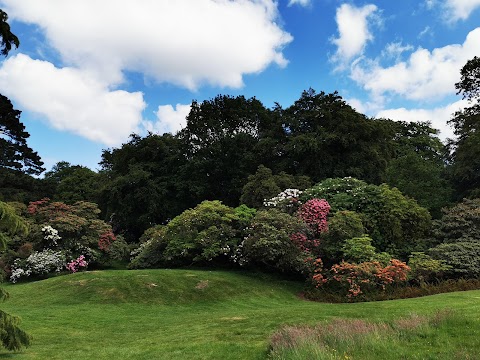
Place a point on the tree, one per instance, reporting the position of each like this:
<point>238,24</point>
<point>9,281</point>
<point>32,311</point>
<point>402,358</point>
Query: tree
<point>142,185</point>
<point>74,183</point>
<point>11,336</point>
<point>8,38</point>
<point>466,124</point>
<point>14,151</point>
<point>328,138</point>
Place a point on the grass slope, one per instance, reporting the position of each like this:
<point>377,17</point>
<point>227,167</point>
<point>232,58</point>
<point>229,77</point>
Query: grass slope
<point>188,314</point>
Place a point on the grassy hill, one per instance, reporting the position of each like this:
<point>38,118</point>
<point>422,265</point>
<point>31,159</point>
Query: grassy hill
<point>192,314</point>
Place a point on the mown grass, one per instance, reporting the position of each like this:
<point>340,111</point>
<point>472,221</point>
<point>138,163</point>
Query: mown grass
<point>188,314</point>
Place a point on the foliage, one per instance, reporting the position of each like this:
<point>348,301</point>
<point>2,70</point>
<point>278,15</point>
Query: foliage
<point>39,263</point>
<point>342,225</point>
<point>269,242</point>
<point>264,185</point>
<point>286,201</point>
<point>328,138</point>
<point>460,222</point>
<point>11,336</point>
<point>463,258</point>
<point>77,264</point>
<point>206,234</point>
<point>14,151</point>
<point>466,124</point>
<point>426,269</point>
<point>396,224</point>
<point>358,249</point>
<point>72,183</point>
<point>353,280</point>
<point>314,213</point>
<point>8,38</point>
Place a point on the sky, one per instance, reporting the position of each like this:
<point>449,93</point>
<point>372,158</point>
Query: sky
<point>88,73</point>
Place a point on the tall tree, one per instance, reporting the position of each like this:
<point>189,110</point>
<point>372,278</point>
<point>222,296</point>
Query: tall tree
<point>8,38</point>
<point>328,138</point>
<point>14,151</point>
<point>466,124</point>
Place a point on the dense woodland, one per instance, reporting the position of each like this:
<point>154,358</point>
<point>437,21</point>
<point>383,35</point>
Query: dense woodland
<point>315,190</point>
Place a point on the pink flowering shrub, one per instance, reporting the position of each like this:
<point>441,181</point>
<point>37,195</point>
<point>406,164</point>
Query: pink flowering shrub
<point>304,243</point>
<point>77,264</point>
<point>314,213</point>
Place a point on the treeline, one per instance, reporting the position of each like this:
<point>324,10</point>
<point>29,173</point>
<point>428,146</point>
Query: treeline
<point>234,149</point>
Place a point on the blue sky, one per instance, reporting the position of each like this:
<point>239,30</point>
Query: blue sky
<point>90,72</point>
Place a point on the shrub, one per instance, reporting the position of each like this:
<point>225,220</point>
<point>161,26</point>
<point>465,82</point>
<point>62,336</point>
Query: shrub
<point>354,280</point>
<point>38,264</point>
<point>426,269</point>
<point>314,213</point>
<point>463,258</point>
<point>269,242</point>
<point>358,249</point>
<point>395,223</point>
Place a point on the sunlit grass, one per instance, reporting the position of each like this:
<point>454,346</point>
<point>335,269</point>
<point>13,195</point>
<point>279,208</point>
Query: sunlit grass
<point>188,314</point>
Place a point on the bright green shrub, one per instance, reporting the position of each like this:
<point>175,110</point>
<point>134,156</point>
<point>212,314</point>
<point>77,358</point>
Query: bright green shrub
<point>358,249</point>
<point>424,268</point>
<point>207,234</point>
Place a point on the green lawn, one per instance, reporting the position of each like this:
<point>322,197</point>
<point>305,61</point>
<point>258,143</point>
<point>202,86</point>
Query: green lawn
<point>190,314</point>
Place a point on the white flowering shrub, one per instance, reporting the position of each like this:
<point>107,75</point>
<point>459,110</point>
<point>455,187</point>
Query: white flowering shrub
<point>50,235</point>
<point>287,201</point>
<point>38,263</point>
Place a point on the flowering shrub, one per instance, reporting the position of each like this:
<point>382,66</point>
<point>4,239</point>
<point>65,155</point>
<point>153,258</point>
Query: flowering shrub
<point>355,279</point>
<point>38,263</point>
<point>106,239</point>
<point>50,235</point>
<point>314,212</point>
<point>304,243</point>
<point>287,201</point>
<point>77,264</point>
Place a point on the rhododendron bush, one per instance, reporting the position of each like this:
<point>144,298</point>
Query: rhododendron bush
<point>355,280</point>
<point>62,237</point>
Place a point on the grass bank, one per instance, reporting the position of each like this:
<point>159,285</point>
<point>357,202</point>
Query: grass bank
<point>187,314</point>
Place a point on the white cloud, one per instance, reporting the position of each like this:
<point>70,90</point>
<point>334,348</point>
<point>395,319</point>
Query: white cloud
<point>460,9</point>
<point>71,99</point>
<point>354,32</point>
<point>170,119</point>
<point>426,75</point>
<point>300,2</point>
<point>426,31</point>
<point>437,116</point>
<point>395,49</point>
<point>182,42</point>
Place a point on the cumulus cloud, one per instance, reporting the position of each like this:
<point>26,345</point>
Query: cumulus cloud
<point>170,119</point>
<point>183,42</point>
<point>395,49</point>
<point>426,75</point>
<point>71,99</point>
<point>437,116</point>
<point>460,9</point>
<point>353,29</point>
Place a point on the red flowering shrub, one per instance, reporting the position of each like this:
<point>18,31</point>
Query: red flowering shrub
<point>355,279</point>
<point>106,239</point>
<point>314,213</point>
<point>304,243</point>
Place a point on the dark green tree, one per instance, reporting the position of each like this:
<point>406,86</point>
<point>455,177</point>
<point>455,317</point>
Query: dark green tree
<point>141,184</point>
<point>14,151</point>
<point>328,138</point>
<point>219,144</point>
<point>8,38</point>
<point>74,183</point>
<point>466,125</point>
<point>419,164</point>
